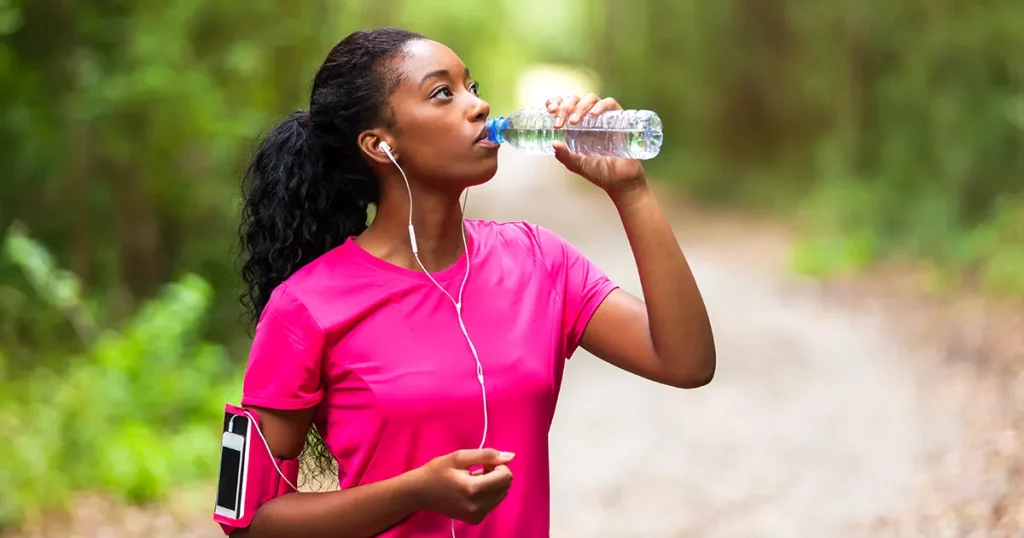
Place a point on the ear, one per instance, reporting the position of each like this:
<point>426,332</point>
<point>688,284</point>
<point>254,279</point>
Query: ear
<point>369,142</point>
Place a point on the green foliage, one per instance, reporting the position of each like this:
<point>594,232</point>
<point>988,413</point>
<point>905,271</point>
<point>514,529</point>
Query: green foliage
<point>134,414</point>
<point>126,126</point>
<point>894,128</point>
<point>889,129</point>
<point>58,288</point>
<point>995,248</point>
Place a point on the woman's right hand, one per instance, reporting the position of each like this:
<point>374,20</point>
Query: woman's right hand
<point>448,485</point>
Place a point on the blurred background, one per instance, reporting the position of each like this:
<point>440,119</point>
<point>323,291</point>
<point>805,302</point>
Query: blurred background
<point>881,135</point>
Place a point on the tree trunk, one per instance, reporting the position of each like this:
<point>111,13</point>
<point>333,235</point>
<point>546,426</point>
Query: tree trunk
<point>137,235</point>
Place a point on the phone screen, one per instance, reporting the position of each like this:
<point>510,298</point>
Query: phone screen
<point>230,475</point>
<point>232,456</point>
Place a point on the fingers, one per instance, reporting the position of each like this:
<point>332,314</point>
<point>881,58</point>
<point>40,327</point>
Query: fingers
<point>582,107</point>
<point>605,104</point>
<point>571,109</point>
<point>481,469</point>
<point>481,506</point>
<point>500,479</point>
<point>565,106</point>
<point>485,491</point>
<point>464,459</point>
<point>491,501</point>
<point>570,160</point>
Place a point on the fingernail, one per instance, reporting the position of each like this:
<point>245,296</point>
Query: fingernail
<point>506,455</point>
<point>574,118</point>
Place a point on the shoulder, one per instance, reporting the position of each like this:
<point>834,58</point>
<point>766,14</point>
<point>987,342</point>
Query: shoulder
<point>287,308</point>
<point>306,291</point>
<point>518,235</point>
<point>524,245</point>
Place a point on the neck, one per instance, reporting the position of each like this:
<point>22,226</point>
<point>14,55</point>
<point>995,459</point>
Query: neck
<point>437,218</point>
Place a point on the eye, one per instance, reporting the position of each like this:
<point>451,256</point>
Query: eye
<point>475,88</point>
<point>443,91</point>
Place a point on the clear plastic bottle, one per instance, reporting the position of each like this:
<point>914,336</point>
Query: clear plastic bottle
<point>630,134</point>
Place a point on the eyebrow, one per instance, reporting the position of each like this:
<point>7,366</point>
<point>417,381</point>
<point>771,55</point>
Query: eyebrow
<point>439,73</point>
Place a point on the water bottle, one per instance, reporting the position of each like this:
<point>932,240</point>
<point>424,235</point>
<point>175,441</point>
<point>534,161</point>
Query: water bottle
<point>630,134</point>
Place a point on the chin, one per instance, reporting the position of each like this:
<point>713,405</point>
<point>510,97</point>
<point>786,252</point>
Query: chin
<point>462,172</point>
<point>481,174</point>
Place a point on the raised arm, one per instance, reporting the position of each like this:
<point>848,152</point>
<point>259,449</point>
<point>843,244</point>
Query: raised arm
<point>668,337</point>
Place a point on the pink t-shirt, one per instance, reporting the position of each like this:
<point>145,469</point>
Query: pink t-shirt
<point>379,349</point>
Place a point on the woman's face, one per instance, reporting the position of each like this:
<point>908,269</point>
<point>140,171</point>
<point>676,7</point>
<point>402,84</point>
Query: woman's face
<point>440,119</point>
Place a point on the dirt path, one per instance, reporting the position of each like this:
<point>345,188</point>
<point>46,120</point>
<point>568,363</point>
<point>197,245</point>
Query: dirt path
<point>820,422</point>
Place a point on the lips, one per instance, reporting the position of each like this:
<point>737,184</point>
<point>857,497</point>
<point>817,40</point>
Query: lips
<point>483,140</point>
<point>482,135</point>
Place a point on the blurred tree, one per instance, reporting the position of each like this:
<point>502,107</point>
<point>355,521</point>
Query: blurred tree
<point>891,128</point>
<point>914,103</point>
<point>126,123</point>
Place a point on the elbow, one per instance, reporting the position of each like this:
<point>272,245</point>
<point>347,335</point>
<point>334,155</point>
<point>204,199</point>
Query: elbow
<point>698,370</point>
<point>686,362</point>
<point>694,380</point>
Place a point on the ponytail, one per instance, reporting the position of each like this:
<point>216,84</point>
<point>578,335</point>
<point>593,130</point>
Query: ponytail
<point>308,187</point>
<point>296,206</point>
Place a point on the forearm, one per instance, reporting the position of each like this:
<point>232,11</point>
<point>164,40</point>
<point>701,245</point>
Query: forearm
<point>358,512</point>
<point>679,326</point>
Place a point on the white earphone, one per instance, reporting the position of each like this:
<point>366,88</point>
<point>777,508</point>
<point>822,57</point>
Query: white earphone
<point>386,148</point>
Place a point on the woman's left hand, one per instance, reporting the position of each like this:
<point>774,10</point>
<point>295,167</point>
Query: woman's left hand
<point>614,175</point>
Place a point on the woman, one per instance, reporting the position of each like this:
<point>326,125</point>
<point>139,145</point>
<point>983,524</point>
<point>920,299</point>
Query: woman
<point>403,358</point>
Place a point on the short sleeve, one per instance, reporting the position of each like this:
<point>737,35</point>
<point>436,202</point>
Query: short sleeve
<point>285,360</point>
<point>581,284</point>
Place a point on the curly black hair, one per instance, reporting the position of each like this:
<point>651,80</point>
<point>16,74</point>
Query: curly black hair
<point>307,188</point>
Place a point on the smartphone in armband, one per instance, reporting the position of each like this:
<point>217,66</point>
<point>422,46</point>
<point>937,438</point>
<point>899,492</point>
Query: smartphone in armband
<point>234,458</point>
<point>249,474</point>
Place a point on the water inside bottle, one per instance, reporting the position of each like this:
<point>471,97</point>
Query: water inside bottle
<point>626,134</point>
<point>629,143</point>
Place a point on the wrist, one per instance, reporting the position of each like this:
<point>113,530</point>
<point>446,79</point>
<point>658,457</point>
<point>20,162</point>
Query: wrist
<point>631,193</point>
<point>412,490</point>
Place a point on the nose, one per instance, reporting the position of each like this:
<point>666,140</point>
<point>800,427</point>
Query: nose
<point>479,110</point>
